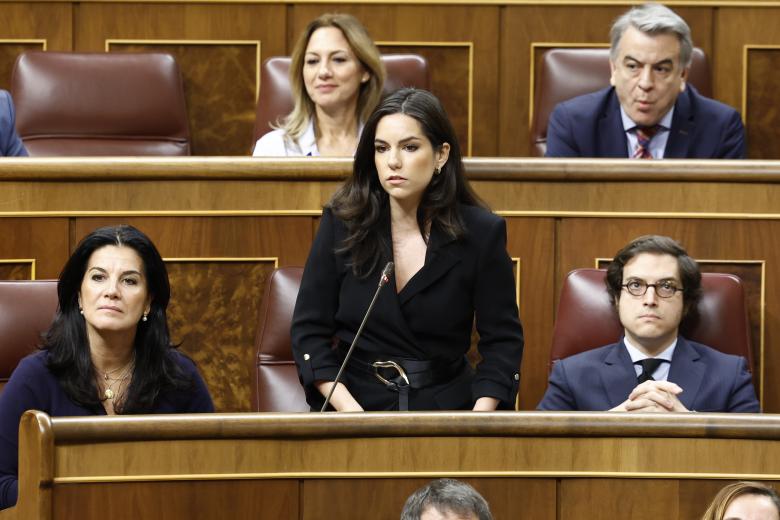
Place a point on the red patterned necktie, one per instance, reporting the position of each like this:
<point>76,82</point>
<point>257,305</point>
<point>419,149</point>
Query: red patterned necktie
<point>643,136</point>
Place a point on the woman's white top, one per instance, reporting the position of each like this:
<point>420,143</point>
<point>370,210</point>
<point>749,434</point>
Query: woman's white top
<point>277,143</point>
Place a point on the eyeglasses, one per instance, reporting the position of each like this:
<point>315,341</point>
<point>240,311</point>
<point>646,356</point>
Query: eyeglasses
<point>663,289</point>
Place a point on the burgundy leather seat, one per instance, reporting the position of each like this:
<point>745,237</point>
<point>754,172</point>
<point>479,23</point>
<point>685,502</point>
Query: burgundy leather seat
<point>586,319</point>
<point>276,387</point>
<point>275,101</point>
<point>27,309</point>
<point>567,73</point>
<point>98,104</point>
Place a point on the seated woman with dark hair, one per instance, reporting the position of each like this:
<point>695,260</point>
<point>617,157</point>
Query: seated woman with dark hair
<point>108,351</point>
<point>408,201</point>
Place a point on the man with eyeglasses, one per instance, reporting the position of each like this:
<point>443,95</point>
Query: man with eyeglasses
<point>653,283</point>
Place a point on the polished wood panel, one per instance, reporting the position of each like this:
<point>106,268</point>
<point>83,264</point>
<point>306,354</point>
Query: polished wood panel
<point>220,74</point>
<point>277,499</point>
<point>506,497</point>
<point>9,51</point>
<point>536,465</point>
<point>45,240</point>
<point>531,240</point>
<point>761,111</point>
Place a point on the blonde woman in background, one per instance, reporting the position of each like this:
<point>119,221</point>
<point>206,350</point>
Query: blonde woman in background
<point>336,77</point>
<point>744,501</point>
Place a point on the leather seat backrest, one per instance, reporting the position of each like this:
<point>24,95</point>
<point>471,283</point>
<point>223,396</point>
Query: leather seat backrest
<point>99,104</point>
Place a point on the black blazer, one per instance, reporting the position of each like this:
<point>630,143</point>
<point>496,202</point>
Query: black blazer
<point>431,318</point>
<point>591,126</point>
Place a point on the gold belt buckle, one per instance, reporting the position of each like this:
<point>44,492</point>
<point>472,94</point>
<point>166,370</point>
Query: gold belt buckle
<point>389,364</point>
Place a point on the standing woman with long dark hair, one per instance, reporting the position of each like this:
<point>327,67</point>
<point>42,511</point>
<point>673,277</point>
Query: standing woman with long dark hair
<point>108,351</point>
<point>408,201</point>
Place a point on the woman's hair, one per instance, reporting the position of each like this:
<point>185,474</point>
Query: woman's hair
<point>68,344</point>
<point>361,203</point>
<point>295,123</point>
<point>726,496</point>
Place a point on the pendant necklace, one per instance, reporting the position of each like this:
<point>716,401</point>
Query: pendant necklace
<point>127,370</point>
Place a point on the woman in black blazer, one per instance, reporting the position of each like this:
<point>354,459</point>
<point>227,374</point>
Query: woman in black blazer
<point>408,201</point>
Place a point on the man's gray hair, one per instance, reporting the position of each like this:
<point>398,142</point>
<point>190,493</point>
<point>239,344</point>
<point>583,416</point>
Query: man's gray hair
<point>446,496</point>
<point>653,19</point>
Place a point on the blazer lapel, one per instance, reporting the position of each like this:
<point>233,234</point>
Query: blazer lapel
<point>618,376</point>
<point>683,126</point>
<point>610,132</point>
<point>440,258</point>
<point>686,371</point>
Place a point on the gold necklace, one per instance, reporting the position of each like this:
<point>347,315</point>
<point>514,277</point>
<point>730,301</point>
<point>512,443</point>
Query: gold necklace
<point>127,370</point>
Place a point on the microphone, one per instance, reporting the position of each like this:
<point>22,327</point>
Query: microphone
<point>387,272</point>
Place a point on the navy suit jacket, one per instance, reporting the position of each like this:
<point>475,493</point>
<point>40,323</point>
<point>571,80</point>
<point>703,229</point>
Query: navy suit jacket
<point>10,144</point>
<point>602,378</point>
<point>591,126</point>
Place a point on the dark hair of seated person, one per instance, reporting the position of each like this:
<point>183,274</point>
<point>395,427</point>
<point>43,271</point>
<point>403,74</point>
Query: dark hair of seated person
<point>361,203</point>
<point>68,344</point>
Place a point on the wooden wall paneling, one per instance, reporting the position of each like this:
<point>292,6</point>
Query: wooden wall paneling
<point>32,25</point>
<point>581,241</point>
<point>637,498</point>
<point>44,240</point>
<point>17,269</point>
<point>606,499</point>
<point>220,72</point>
<point>533,242</point>
<point>459,24</point>
<point>10,49</point>
<point>451,68</point>
<point>741,77</point>
<point>522,26</point>
<point>158,195</point>
<point>213,315</point>
<point>760,110</point>
<point>383,498</point>
<point>182,499</point>
<point>218,269</point>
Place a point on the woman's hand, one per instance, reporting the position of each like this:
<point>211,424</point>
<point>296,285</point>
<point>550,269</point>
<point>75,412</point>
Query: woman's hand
<point>486,404</point>
<point>341,399</point>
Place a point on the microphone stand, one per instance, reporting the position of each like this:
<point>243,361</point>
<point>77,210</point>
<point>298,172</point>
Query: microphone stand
<point>383,280</point>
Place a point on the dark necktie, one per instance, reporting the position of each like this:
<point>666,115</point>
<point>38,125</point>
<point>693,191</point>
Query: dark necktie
<point>644,134</point>
<point>649,366</point>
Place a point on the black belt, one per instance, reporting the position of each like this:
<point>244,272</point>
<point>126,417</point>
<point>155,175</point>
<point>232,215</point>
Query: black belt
<point>402,374</point>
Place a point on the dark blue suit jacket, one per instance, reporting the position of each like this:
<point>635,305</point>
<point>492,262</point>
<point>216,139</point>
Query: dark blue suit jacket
<point>10,144</point>
<point>590,126</point>
<point>602,378</point>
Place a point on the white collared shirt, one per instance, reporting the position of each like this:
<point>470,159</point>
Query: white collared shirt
<point>659,140</point>
<point>662,372</point>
